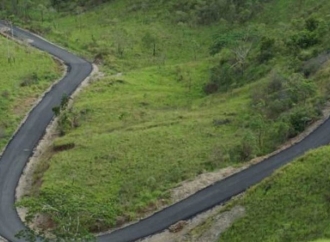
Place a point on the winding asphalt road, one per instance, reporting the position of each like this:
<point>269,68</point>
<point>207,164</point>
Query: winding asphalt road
<point>20,149</point>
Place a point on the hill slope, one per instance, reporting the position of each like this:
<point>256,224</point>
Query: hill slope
<point>292,205</point>
<point>183,93</point>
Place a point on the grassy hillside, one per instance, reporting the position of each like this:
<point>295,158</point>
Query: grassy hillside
<point>189,87</point>
<point>292,205</point>
<point>158,127</point>
<point>25,75</point>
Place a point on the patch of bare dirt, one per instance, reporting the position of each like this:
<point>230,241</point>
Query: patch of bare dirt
<point>188,188</point>
<point>211,230</point>
<point>200,228</point>
<point>3,240</point>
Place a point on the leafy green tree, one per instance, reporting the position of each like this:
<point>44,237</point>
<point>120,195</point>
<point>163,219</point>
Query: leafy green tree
<point>267,49</point>
<point>150,41</point>
<point>246,149</point>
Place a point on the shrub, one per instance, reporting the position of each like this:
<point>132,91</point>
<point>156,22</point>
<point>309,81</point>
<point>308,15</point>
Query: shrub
<point>211,88</point>
<point>30,80</point>
<point>246,149</point>
<point>223,76</point>
<point>304,39</point>
<point>227,40</point>
<point>267,49</point>
<point>300,118</point>
<point>312,24</point>
<point>62,146</point>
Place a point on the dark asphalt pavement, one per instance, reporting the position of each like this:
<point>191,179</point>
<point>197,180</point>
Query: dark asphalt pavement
<point>21,146</point>
<point>15,157</point>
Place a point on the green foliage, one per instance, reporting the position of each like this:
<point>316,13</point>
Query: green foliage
<point>30,80</point>
<point>231,39</point>
<point>207,12</point>
<point>124,160</point>
<point>254,51</point>
<point>287,99</point>
<point>148,125</point>
<point>66,207</point>
<point>150,42</point>
<point>281,94</point>
<point>224,77</point>
<point>304,39</point>
<point>247,149</point>
<point>310,34</point>
<point>312,24</point>
<point>67,118</point>
<point>301,117</point>
<point>267,49</point>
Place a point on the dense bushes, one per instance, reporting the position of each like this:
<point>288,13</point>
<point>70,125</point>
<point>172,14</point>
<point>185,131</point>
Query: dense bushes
<point>64,5</point>
<point>287,102</point>
<point>281,107</point>
<point>207,12</point>
<point>19,10</point>
<point>245,55</point>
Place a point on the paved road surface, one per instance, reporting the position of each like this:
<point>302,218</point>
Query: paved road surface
<point>21,146</point>
<point>15,157</point>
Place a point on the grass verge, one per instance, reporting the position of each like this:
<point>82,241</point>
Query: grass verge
<point>292,205</point>
<point>25,75</point>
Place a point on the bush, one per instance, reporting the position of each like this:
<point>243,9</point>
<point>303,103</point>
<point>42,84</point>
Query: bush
<point>223,76</point>
<point>246,149</point>
<point>300,118</point>
<point>211,88</point>
<point>304,39</point>
<point>30,80</point>
<point>267,49</point>
<point>281,94</point>
<point>230,39</point>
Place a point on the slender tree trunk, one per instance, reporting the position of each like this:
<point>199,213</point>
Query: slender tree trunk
<point>154,50</point>
<point>14,6</point>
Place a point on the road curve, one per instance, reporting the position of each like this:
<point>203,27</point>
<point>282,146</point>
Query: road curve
<point>15,157</point>
<point>26,138</point>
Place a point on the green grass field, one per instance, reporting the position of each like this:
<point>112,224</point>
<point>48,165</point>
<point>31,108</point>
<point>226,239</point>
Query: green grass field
<point>148,124</point>
<point>142,132</point>
<point>22,81</point>
<point>154,135</point>
<point>292,205</point>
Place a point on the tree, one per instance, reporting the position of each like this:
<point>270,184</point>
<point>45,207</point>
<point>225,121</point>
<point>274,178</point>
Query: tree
<point>64,122</point>
<point>121,40</point>
<point>42,8</point>
<point>241,53</point>
<point>150,41</point>
<point>258,123</point>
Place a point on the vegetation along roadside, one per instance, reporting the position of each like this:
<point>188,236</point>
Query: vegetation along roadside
<point>189,87</point>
